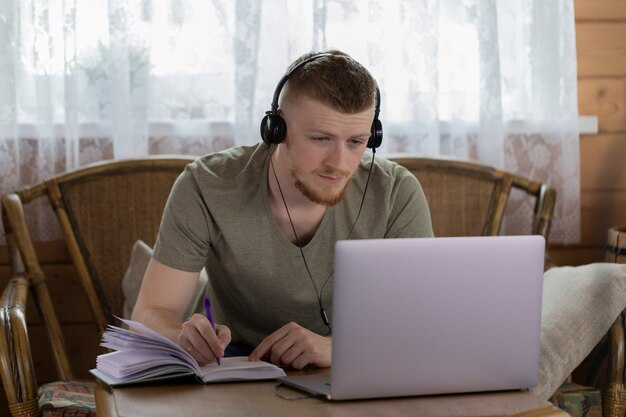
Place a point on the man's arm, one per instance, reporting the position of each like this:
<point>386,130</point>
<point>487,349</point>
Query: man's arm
<point>163,298</point>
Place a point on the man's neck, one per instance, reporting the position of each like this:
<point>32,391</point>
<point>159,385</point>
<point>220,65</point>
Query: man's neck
<point>287,201</point>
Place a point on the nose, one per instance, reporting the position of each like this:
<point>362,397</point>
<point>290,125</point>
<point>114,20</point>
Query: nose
<point>335,158</point>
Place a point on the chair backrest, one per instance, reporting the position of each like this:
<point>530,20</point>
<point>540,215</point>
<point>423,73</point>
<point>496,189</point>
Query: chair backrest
<point>102,209</point>
<point>469,199</point>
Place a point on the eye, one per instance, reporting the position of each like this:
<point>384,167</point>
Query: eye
<point>358,141</point>
<point>321,138</point>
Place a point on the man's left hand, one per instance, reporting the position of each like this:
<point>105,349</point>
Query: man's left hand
<point>294,346</point>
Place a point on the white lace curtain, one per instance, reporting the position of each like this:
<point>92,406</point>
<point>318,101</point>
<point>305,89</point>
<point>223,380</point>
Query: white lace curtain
<point>489,80</point>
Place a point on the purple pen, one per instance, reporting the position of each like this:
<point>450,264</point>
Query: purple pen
<point>209,315</point>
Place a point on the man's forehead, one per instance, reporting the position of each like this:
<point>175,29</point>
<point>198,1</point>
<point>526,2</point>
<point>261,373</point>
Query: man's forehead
<point>299,100</point>
<point>357,124</point>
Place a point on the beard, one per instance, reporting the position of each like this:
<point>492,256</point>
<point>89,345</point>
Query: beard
<point>325,196</point>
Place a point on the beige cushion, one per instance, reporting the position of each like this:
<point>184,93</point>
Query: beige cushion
<point>579,306</point>
<point>139,258</point>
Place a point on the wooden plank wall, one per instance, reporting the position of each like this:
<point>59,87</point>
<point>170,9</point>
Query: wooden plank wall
<point>601,44</point>
<point>601,53</point>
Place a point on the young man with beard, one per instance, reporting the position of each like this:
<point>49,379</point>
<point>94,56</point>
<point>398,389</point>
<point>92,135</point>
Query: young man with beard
<point>264,220</point>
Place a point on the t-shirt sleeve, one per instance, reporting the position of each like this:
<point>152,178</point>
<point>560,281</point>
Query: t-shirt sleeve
<point>410,216</point>
<point>184,236</point>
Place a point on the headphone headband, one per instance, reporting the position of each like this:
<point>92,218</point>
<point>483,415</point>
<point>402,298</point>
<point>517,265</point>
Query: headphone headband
<point>285,78</point>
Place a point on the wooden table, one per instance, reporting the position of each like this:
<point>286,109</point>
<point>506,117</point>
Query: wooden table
<point>259,399</point>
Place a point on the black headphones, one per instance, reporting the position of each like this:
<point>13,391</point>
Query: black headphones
<point>274,127</point>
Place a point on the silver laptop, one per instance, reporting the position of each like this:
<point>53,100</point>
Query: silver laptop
<point>433,316</point>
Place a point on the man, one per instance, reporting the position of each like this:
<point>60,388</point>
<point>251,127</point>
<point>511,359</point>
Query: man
<point>264,220</point>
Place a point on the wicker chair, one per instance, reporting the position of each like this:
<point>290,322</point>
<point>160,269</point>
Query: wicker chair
<point>102,210</point>
<point>468,199</point>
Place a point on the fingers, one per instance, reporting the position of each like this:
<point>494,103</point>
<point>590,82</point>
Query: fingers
<point>266,344</point>
<point>287,351</point>
<point>223,334</point>
<point>199,357</point>
<point>203,342</point>
<point>294,346</point>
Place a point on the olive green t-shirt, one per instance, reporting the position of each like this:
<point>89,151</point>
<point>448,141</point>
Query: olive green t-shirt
<point>218,215</point>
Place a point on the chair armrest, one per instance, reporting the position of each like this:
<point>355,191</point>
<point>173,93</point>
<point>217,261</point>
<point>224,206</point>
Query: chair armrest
<point>18,374</point>
<point>24,262</point>
<point>616,352</point>
<point>545,201</point>
<point>544,212</point>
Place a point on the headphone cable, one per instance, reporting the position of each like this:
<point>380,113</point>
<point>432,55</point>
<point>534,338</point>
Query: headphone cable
<point>369,174</point>
<point>318,294</point>
<point>298,243</point>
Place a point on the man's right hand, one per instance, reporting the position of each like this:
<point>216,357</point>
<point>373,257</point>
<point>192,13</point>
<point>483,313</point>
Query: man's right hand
<point>163,299</point>
<point>203,343</point>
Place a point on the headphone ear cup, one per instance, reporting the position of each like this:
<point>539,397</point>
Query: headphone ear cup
<point>273,129</point>
<point>376,137</point>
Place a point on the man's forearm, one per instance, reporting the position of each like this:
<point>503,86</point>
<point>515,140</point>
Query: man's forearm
<point>162,321</point>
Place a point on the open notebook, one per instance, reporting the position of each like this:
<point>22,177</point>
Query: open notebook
<point>433,316</point>
<point>143,355</point>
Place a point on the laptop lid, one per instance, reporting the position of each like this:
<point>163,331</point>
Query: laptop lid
<point>431,316</point>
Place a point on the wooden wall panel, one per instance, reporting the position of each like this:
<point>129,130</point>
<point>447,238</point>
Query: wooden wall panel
<point>586,10</point>
<point>599,211</point>
<point>52,252</point>
<point>601,55</point>
<point>574,256</point>
<point>603,162</point>
<point>605,98</point>
<point>601,49</point>
<point>67,295</point>
<point>82,341</point>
